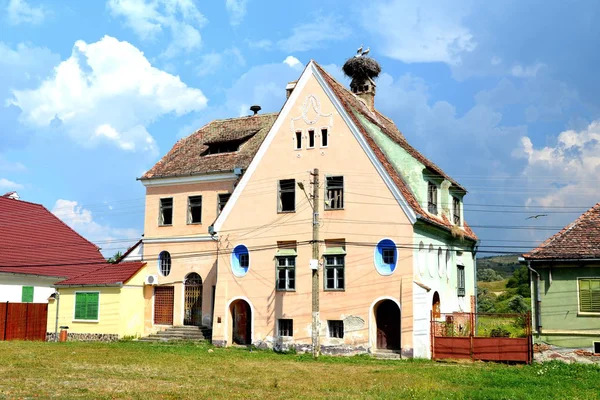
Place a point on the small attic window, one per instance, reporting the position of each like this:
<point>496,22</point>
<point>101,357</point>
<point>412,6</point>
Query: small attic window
<point>224,147</point>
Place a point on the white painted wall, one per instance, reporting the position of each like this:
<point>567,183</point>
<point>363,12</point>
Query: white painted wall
<point>442,280</point>
<point>136,254</point>
<point>11,287</point>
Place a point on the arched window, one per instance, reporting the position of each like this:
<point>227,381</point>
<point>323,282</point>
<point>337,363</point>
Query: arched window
<point>421,258</point>
<point>386,256</point>
<point>440,262</point>
<point>436,306</point>
<point>430,261</point>
<point>240,260</point>
<point>164,263</point>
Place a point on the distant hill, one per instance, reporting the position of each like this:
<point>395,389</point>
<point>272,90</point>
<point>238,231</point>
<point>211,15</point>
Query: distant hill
<point>504,265</point>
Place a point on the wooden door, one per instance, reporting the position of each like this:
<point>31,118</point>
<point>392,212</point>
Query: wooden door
<point>242,322</point>
<point>163,305</point>
<point>387,316</point>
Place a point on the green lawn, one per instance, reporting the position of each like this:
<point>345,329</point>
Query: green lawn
<point>169,371</point>
<point>497,287</point>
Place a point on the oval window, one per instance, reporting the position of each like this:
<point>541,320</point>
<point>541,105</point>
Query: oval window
<point>386,257</point>
<point>164,263</point>
<point>240,260</point>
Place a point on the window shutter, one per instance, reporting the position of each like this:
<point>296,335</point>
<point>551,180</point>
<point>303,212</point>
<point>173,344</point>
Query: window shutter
<point>589,295</point>
<point>92,306</point>
<point>27,294</point>
<point>80,305</point>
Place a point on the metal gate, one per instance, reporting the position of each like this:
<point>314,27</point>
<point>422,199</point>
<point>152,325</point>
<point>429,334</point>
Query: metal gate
<point>193,300</point>
<point>163,305</point>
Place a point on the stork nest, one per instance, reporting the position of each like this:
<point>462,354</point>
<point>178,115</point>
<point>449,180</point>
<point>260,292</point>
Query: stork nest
<point>361,68</point>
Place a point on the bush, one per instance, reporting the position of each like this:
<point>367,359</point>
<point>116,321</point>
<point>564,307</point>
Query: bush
<point>499,332</point>
<point>488,275</point>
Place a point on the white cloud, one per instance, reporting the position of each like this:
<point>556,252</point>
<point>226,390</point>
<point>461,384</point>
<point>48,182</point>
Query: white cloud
<point>5,184</point>
<point>149,18</point>
<point>236,10</point>
<point>291,61</point>
<point>211,63</point>
<point>527,71</point>
<point>107,91</point>
<point>19,11</point>
<point>424,31</point>
<point>314,34</point>
<point>82,221</point>
<point>567,172</point>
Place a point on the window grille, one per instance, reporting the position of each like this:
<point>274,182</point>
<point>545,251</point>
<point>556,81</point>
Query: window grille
<point>334,198</point>
<point>336,329</point>
<point>165,263</point>
<point>285,327</point>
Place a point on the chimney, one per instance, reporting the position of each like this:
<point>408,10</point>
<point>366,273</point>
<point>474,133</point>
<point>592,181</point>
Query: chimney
<point>290,88</point>
<point>365,89</point>
<point>255,108</point>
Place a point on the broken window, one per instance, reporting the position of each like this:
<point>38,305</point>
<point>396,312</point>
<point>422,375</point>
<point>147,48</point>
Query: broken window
<point>432,197</point>
<point>311,139</point>
<point>285,327</point>
<point>194,209</point>
<point>165,216</point>
<point>589,295</point>
<point>334,272</point>
<point>287,195</point>
<point>456,210</point>
<point>324,138</point>
<point>298,140</point>
<point>334,197</point>
<point>223,198</point>
<point>460,280</point>
<point>336,328</point>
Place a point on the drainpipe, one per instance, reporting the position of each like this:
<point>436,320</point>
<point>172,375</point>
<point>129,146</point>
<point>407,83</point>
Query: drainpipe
<point>56,321</point>
<point>538,299</point>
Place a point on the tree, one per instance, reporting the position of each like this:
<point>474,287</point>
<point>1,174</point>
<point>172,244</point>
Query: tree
<point>488,275</point>
<point>114,258</point>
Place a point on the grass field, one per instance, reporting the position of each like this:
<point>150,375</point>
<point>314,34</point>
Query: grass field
<point>170,371</point>
<point>497,287</point>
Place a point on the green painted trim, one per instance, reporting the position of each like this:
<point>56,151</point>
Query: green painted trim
<point>334,251</point>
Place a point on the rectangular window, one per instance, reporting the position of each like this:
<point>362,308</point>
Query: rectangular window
<point>388,255</point>
<point>194,209</point>
<point>166,211</point>
<point>334,193</point>
<point>223,199</point>
<point>334,272</point>
<point>336,329</point>
<point>456,210</point>
<point>298,140</point>
<point>286,273</point>
<point>285,327</point>
<point>460,280</point>
<point>324,138</point>
<point>27,294</point>
<point>432,198</point>
<point>244,260</point>
<point>86,305</point>
<point>311,139</point>
<point>589,295</point>
<point>287,195</point>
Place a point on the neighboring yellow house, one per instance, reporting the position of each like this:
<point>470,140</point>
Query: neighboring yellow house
<point>393,244</point>
<point>106,304</point>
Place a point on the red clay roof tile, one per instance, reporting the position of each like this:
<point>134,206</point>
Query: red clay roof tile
<point>108,274</point>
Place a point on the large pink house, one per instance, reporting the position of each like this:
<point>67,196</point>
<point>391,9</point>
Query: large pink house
<point>231,207</point>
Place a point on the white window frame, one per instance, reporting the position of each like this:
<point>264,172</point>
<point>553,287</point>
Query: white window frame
<point>296,139</point>
<point>335,268</point>
<point>314,137</point>
<point>75,306</point>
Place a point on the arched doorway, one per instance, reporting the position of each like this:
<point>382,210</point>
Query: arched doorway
<point>241,317</point>
<point>435,306</point>
<point>387,319</point>
<point>193,300</point>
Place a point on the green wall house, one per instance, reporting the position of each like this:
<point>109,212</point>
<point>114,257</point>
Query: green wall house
<point>565,284</point>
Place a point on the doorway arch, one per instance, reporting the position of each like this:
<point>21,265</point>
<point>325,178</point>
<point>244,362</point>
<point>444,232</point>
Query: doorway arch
<point>386,314</point>
<point>436,312</point>
<point>241,322</point>
<point>193,300</point>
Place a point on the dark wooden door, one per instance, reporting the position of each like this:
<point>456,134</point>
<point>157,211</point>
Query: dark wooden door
<point>163,305</point>
<point>387,316</point>
<point>242,322</point>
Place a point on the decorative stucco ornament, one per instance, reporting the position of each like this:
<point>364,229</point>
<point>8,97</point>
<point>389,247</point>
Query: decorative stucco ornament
<point>311,103</point>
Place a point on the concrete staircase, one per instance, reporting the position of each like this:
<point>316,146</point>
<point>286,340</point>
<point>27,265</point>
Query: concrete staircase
<point>387,354</point>
<point>191,333</point>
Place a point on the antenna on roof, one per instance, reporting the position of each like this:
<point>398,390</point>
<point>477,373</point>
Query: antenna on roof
<point>255,108</point>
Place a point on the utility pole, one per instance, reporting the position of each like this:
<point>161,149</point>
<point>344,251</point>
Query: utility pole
<point>315,271</point>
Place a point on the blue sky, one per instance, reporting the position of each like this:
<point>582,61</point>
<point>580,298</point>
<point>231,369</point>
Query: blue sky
<point>502,96</point>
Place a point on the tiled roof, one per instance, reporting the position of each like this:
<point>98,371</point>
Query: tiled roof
<point>108,274</point>
<point>355,106</point>
<point>578,240</point>
<point>34,241</point>
<point>187,156</point>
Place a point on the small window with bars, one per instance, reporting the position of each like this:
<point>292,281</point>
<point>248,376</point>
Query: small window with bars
<point>165,216</point>
<point>460,280</point>
<point>336,328</point>
<point>286,273</point>
<point>223,199</point>
<point>334,272</point>
<point>285,327</point>
<point>194,209</point>
<point>589,295</point>
<point>432,198</point>
<point>334,193</point>
<point>456,210</point>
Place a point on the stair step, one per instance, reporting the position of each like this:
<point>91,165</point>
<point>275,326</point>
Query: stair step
<point>191,333</point>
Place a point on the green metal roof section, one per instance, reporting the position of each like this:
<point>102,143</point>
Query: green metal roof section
<point>286,253</point>
<point>334,251</point>
<point>410,169</point>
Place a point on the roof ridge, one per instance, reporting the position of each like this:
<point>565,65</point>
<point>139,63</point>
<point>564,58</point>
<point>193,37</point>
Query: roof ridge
<point>246,116</point>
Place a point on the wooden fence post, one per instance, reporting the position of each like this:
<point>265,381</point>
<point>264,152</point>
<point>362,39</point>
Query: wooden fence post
<point>5,321</point>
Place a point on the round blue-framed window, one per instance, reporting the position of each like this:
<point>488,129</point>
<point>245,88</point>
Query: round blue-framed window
<point>240,260</point>
<point>386,257</point>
